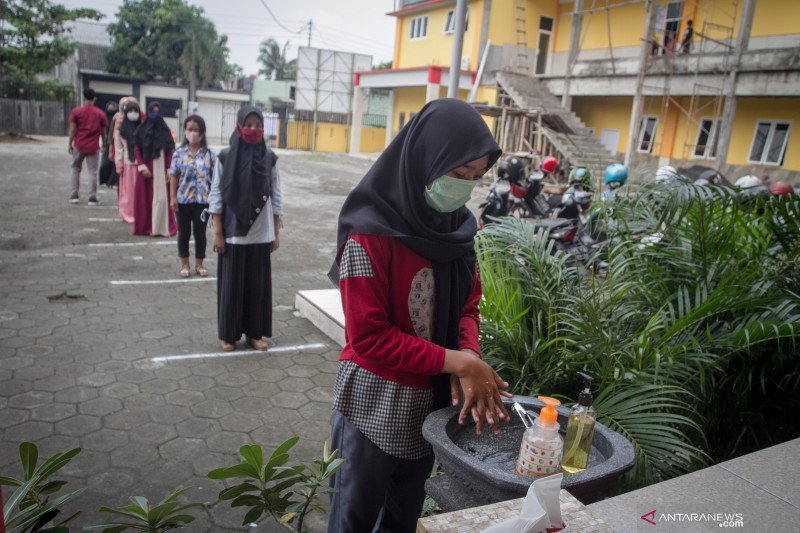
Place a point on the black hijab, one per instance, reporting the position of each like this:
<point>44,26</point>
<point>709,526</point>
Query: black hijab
<point>153,135</point>
<point>245,172</point>
<point>127,129</point>
<point>389,200</point>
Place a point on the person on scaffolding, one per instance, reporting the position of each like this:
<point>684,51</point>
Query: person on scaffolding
<point>688,35</point>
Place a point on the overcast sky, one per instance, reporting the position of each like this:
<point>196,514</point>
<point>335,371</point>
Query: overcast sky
<point>359,26</point>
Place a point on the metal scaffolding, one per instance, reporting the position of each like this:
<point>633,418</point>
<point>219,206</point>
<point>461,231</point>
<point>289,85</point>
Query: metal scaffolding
<point>713,43</point>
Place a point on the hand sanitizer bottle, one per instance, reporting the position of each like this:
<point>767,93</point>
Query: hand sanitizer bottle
<point>580,430</point>
<point>540,451</point>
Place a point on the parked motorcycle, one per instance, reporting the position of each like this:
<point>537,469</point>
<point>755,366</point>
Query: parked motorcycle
<point>574,235</point>
<point>515,193</point>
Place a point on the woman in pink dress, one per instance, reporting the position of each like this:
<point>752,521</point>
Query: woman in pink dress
<point>124,130</point>
<point>153,150</point>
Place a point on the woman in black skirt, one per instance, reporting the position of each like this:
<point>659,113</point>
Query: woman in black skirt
<point>245,203</point>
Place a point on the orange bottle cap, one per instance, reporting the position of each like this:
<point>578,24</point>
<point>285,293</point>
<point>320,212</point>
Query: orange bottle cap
<point>548,415</point>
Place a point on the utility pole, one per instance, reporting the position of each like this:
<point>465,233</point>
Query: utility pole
<point>574,50</point>
<point>725,127</point>
<point>638,97</point>
<point>458,43</point>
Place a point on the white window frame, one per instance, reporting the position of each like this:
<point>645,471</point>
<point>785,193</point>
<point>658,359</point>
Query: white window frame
<point>419,27</point>
<point>770,135</point>
<point>711,143</point>
<point>640,137</point>
<point>450,22</point>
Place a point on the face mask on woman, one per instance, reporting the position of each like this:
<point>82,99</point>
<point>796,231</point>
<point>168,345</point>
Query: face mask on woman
<point>193,137</point>
<point>251,135</point>
<point>448,194</point>
<point>152,115</point>
<point>133,116</point>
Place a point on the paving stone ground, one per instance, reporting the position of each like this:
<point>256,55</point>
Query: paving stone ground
<point>79,354</point>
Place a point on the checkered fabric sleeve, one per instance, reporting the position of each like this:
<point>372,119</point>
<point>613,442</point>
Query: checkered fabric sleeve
<point>387,413</point>
<point>355,262</point>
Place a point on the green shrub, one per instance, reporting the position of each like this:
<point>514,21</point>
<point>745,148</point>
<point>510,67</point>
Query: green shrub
<point>691,339</point>
<point>287,493</point>
<point>29,509</point>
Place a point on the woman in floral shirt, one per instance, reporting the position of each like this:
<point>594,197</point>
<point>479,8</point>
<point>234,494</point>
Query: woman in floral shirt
<point>190,176</point>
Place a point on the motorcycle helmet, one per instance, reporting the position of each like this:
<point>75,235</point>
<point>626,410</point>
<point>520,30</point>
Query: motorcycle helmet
<point>748,182</point>
<point>550,164</point>
<point>666,173</point>
<point>580,175</point>
<point>615,173</point>
<point>711,176</point>
<point>512,168</point>
<point>781,188</point>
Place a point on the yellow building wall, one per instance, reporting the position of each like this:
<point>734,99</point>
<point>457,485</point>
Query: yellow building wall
<point>372,139</point>
<point>298,135</point>
<point>627,25</point>
<point>435,48</point>
<point>751,110</point>
<point>687,129</point>
<point>776,17</point>
<point>332,137</point>
<point>606,112</point>
<point>773,17</point>
<point>502,21</point>
<point>407,100</point>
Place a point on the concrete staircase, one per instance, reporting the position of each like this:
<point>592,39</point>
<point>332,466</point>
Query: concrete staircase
<point>561,127</point>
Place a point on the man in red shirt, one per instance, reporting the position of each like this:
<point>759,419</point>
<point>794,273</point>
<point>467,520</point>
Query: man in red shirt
<point>87,125</point>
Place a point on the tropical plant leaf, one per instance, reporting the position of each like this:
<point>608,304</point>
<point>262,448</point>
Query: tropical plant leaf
<point>28,455</point>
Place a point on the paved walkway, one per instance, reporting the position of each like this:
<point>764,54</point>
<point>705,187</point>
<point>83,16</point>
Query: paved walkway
<point>102,347</point>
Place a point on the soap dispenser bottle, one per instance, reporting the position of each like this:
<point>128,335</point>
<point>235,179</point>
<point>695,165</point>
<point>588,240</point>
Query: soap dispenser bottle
<point>540,451</point>
<point>580,430</point>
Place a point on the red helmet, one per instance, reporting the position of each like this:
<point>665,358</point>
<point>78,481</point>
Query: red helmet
<point>549,164</point>
<point>781,188</point>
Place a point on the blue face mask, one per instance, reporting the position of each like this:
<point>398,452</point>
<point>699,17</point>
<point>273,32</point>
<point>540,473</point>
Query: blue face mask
<point>448,194</point>
<point>152,115</point>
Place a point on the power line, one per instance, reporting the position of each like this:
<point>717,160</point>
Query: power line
<point>278,22</point>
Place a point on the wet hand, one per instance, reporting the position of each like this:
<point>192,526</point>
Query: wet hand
<point>481,386</point>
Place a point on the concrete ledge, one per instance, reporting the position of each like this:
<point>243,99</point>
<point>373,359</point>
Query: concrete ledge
<point>760,487</point>
<point>323,308</point>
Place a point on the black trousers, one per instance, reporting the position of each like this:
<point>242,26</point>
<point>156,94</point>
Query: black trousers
<point>244,292</point>
<point>374,491</point>
<point>189,221</point>
<point>108,172</point>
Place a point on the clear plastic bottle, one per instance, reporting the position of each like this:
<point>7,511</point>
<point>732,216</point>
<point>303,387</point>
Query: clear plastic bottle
<point>540,451</point>
<point>580,430</point>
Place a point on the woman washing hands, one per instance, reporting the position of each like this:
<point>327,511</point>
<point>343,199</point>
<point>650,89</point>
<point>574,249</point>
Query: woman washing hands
<point>407,272</point>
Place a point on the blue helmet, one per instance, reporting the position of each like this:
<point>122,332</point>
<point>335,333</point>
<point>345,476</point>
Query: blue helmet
<point>616,173</point>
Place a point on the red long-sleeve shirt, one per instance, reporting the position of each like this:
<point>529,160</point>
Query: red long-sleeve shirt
<point>388,299</point>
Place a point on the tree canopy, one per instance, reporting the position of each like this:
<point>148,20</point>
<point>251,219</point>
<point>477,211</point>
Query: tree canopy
<point>34,36</point>
<point>274,62</point>
<point>167,39</point>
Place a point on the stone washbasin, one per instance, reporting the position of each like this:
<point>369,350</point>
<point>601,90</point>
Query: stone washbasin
<point>480,470</point>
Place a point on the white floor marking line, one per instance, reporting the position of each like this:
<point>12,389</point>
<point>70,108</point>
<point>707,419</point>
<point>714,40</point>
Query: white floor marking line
<point>237,353</point>
<point>95,219</point>
<point>124,244</point>
<point>160,281</point>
